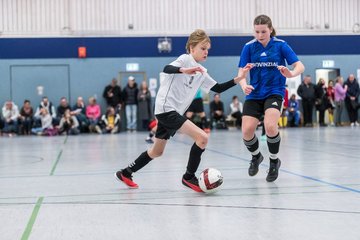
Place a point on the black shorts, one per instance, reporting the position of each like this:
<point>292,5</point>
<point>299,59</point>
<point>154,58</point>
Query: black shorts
<point>196,106</point>
<point>168,124</point>
<point>257,108</point>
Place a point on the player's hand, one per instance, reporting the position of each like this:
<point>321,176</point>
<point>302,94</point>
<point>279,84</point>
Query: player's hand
<point>247,89</point>
<point>192,70</point>
<point>243,71</point>
<point>285,71</point>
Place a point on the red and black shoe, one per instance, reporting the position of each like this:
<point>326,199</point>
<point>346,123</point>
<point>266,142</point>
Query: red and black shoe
<point>192,183</point>
<point>126,180</point>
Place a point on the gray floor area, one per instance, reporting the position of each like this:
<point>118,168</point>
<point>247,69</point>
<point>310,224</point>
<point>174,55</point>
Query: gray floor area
<point>63,188</point>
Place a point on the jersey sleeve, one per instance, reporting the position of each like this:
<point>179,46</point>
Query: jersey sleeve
<point>289,54</point>
<point>180,61</point>
<point>208,83</point>
<point>245,56</point>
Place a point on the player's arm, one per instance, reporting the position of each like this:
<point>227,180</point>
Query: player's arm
<point>170,69</point>
<point>298,69</point>
<point>247,89</point>
<point>221,87</point>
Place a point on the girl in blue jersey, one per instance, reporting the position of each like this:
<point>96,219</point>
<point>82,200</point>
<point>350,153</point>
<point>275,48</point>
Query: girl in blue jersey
<point>265,92</point>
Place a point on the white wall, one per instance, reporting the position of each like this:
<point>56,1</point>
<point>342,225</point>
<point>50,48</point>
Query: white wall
<point>169,17</point>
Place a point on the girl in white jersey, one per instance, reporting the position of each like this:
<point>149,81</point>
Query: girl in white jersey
<point>181,80</point>
<point>267,55</point>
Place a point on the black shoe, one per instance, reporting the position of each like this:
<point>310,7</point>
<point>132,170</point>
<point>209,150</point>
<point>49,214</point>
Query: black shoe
<point>273,171</point>
<point>254,164</point>
<point>192,183</point>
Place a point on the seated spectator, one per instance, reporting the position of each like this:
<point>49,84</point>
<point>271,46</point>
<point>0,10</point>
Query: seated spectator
<point>236,111</point>
<point>46,127</point>
<point>1,125</point>
<point>10,114</point>
<point>69,125</point>
<point>152,131</point>
<point>196,109</point>
<point>93,113</point>
<point>217,113</point>
<point>79,111</point>
<point>293,111</point>
<point>283,121</point>
<point>64,105</point>
<point>45,103</point>
<point>26,118</point>
<point>110,121</point>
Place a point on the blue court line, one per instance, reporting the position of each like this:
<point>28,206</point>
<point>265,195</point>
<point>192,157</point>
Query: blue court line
<point>285,171</point>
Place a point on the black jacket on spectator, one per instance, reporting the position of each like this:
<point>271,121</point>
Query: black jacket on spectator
<point>130,94</point>
<point>117,95</point>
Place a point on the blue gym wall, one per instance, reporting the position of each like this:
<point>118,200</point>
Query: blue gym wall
<point>108,56</point>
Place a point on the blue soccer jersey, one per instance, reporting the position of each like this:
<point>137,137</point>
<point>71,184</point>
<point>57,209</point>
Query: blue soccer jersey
<point>264,76</point>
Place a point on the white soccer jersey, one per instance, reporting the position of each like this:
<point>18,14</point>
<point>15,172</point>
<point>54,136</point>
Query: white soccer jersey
<point>177,91</point>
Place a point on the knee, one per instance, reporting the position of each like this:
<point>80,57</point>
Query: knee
<point>155,154</point>
<point>248,132</point>
<point>202,140</point>
<point>271,129</point>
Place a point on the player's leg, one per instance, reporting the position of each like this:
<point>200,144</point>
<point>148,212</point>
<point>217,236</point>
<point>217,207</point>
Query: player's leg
<point>253,111</point>
<point>272,115</point>
<point>201,140</point>
<point>156,150</point>
<point>251,142</point>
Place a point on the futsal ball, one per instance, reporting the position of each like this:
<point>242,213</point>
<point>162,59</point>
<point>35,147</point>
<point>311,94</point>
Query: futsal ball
<point>210,180</point>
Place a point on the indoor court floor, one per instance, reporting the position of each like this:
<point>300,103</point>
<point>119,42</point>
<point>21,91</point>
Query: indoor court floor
<point>64,188</point>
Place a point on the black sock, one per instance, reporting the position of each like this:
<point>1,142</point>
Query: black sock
<point>139,163</point>
<point>253,146</point>
<point>194,161</point>
<point>273,145</point>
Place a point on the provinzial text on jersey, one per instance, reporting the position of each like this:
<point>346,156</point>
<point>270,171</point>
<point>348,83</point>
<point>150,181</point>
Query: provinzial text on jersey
<point>265,64</point>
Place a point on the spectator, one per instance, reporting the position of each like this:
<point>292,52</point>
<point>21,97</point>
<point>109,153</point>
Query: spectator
<point>152,131</point>
<point>26,118</point>
<point>110,121</point>
<point>130,94</point>
<point>197,108</point>
<point>144,105</point>
<point>217,112</point>
<point>307,93</point>
<point>112,95</point>
<point>10,114</point>
<point>46,123</point>
<point>293,111</point>
<point>330,93</point>
<point>45,103</point>
<point>339,97</point>
<point>236,108</point>
<point>321,101</point>
<point>68,125</point>
<point>79,111</point>
<point>64,105</point>
<point>352,99</point>
<point>93,113</point>
<point>284,114</point>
